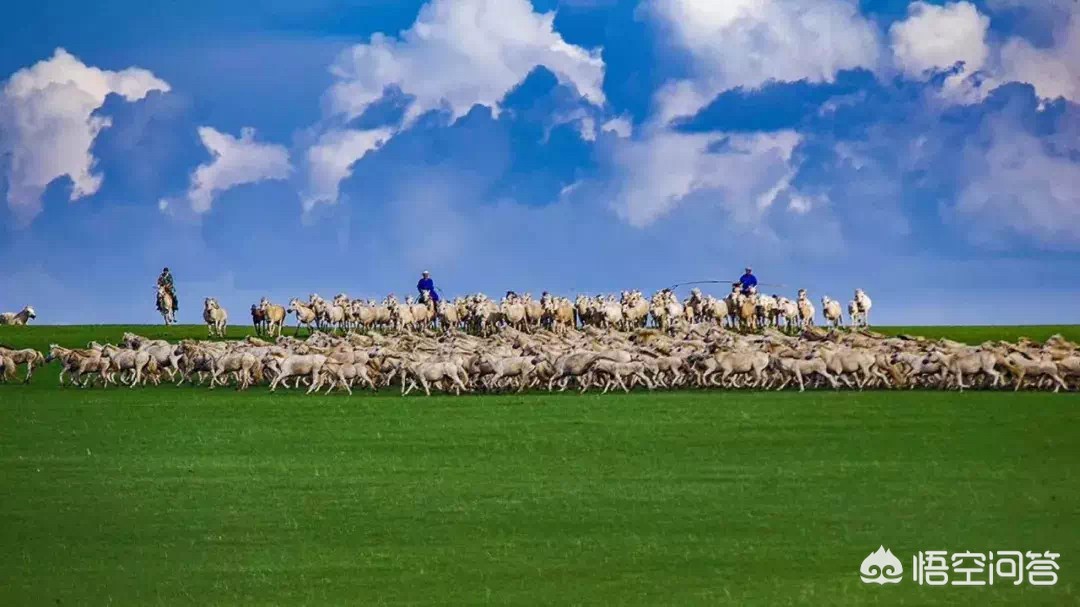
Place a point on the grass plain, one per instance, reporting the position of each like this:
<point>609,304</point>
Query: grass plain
<point>189,496</point>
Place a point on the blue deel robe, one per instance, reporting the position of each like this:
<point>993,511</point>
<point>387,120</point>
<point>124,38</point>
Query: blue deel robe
<point>747,281</point>
<point>427,284</point>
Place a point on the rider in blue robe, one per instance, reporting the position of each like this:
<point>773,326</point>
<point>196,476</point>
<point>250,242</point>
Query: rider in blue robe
<point>427,284</point>
<point>748,281</point>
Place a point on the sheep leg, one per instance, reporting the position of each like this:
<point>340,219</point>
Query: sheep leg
<point>459,385</point>
<point>609,383</point>
<point>1060,383</point>
<point>280,378</point>
<point>585,382</point>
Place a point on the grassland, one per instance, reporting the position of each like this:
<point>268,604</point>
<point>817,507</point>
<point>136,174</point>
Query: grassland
<point>182,495</point>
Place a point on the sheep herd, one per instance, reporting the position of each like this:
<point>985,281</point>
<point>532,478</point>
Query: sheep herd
<point>479,315</point>
<point>698,356</point>
<point>475,344</point>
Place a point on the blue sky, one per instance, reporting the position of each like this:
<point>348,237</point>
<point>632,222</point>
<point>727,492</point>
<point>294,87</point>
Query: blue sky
<point>927,152</point>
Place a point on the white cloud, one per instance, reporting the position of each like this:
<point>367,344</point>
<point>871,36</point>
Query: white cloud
<point>1016,185</point>
<point>458,53</point>
<point>621,126</point>
<point>733,43</point>
<point>47,125</point>
<point>937,37</point>
<point>749,42</point>
<point>331,159</point>
<point>801,204</point>
<point>743,172</point>
<point>236,161</point>
<point>1054,71</point>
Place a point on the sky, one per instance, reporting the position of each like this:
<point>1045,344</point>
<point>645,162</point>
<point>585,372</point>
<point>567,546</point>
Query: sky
<point>926,152</point>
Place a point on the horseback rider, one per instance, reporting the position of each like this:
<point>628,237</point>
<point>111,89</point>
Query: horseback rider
<point>748,282</point>
<point>165,280</point>
<point>426,284</point>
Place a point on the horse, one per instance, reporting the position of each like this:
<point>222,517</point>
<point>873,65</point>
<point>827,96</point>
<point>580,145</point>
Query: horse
<point>18,318</point>
<point>166,305</point>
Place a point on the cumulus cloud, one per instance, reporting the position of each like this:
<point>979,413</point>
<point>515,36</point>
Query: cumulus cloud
<point>457,53</point>
<point>331,159</point>
<point>737,43</point>
<point>48,125</point>
<point>750,42</point>
<point>621,126</point>
<point>744,173</point>
<point>1019,184</point>
<point>938,37</point>
<point>1053,71</point>
<point>236,161</point>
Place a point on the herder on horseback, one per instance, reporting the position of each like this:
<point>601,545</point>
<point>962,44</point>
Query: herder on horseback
<point>167,303</point>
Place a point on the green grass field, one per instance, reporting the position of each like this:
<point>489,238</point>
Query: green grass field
<point>189,496</point>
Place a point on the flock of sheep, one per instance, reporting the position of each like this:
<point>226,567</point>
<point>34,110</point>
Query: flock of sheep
<point>699,356</point>
<point>477,344</point>
<point>480,315</point>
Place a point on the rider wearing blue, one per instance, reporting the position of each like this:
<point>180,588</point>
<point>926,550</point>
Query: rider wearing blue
<point>748,282</point>
<point>427,284</point>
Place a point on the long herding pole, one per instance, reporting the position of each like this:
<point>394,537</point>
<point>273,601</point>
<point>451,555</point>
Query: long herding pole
<point>716,282</point>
